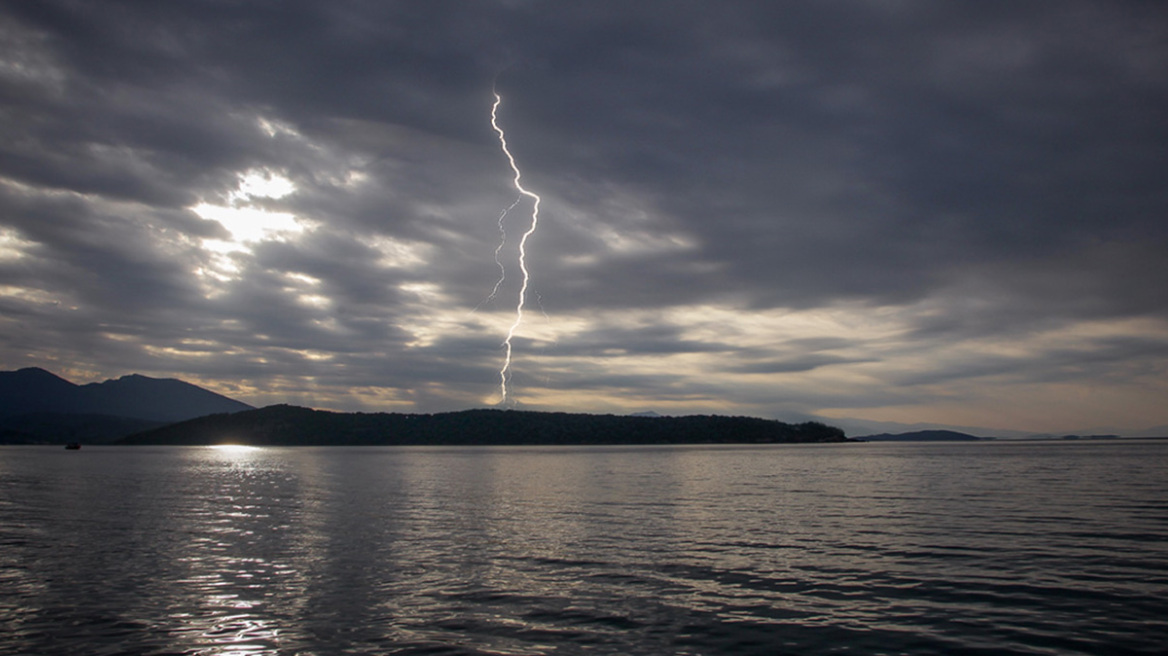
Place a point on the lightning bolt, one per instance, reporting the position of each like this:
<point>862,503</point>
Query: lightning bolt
<point>498,249</point>
<point>505,371</point>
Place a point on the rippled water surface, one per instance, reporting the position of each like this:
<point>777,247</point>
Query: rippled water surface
<point>983,548</point>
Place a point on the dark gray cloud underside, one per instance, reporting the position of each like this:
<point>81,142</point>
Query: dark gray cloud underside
<point>988,171</point>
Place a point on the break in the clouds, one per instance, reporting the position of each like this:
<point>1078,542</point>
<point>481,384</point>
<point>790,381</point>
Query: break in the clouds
<point>893,211</point>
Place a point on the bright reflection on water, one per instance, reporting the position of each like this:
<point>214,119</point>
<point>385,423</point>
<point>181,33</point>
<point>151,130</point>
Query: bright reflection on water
<point>234,449</point>
<point>1033,548</point>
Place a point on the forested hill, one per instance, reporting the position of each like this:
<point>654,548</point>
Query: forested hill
<point>284,425</point>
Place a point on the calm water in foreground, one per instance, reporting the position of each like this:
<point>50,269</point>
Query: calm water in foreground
<point>983,548</point>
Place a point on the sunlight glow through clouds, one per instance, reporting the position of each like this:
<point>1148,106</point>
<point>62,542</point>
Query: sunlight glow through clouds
<point>396,253</point>
<point>763,328</point>
<point>30,295</point>
<point>429,322</point>
<point>246,225</point>
<point>246,222</point>
<point>274,128</point>
<point>12,245</point>
<point>171,352</point>
<point>306,290</point>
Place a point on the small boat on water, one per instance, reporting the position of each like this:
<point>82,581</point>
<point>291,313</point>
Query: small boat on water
<point>73,446</point>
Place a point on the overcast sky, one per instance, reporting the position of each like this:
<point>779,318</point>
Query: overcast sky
<point>906,211</point>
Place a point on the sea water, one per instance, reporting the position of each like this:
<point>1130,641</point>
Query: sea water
<point>970,548</point>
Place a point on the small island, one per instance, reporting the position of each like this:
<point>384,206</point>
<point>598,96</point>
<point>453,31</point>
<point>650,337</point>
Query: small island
<point>286,425</point>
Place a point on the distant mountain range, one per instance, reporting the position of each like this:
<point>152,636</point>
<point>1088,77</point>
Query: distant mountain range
<point>38,406</point>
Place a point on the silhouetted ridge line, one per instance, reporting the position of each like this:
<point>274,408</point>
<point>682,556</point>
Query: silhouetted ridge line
<point>34,390</point>
<point>39,407</point>
<point>285,425</point>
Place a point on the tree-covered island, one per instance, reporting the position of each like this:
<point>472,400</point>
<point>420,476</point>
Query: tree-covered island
<point>285,425</point>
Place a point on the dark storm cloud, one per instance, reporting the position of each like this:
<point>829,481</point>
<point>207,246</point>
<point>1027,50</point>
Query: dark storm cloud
<point>657,340</point>
<point>78,238</point>
<point>862,158</point>
<point>989,171</point>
